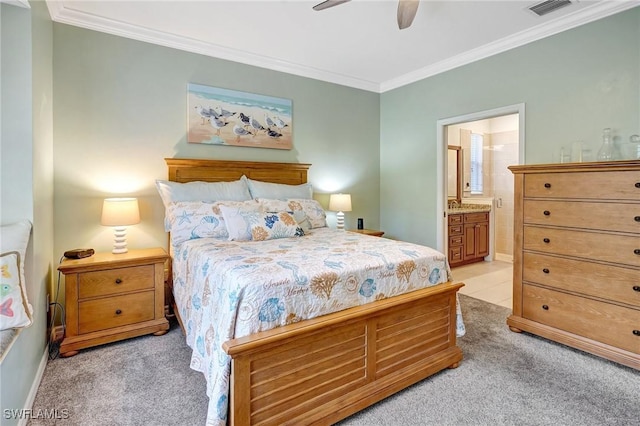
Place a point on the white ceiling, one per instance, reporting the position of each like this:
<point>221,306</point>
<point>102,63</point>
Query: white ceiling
<point>356,44</point>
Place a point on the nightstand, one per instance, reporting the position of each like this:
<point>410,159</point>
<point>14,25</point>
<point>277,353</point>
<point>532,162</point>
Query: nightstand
<point>372,232</point>
<point>110,297</point>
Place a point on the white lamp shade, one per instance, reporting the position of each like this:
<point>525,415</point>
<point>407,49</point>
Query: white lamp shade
<point>340,202</point>
<point>120,212</point>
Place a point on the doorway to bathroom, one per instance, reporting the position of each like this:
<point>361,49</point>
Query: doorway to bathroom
<point>489,141</point>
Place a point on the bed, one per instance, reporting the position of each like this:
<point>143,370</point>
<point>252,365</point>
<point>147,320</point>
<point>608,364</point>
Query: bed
<point>325,368</point>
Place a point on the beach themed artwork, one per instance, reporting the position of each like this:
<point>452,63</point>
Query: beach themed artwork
<point>227,117</point>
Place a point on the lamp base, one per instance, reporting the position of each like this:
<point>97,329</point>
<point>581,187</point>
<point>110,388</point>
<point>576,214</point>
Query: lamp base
<point>119,240</point>
<point>340,221</point>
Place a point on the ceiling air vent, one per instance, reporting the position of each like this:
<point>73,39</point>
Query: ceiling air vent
<point>548,6</point>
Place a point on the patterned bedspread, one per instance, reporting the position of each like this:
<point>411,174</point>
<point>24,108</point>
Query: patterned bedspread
<point>227,289</point>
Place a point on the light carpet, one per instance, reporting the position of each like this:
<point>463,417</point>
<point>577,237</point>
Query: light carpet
<point>505,378</point>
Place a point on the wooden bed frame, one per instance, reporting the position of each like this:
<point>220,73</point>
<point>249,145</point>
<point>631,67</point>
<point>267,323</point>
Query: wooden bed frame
<point>322,370</point>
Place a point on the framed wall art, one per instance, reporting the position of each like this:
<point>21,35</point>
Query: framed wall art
<point>219,116</point>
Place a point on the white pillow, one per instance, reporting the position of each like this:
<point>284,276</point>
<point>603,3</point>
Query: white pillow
<point>15,310</point>
<point>313,211</point>
<point>239,220</point>
<point>172,192</point>
<point>280,191</point>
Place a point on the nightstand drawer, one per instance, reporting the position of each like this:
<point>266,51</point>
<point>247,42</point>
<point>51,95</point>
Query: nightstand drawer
<point>114,281</point>
<point>600,321</point>
<point>100,314</point>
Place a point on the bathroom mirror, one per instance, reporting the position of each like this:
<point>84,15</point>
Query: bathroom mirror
<point>454,172</point>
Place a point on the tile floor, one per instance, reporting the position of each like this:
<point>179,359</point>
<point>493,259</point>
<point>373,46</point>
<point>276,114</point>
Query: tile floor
<point>488,281</point>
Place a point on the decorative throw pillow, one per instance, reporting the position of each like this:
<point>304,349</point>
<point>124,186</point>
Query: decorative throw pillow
<point>271,225</point>
<point>279,191</point>
<point>239,218</point>
<point>14,310</point>
<point>172,192</point>
<point>14,238</point>
<point>313,211</point>
<point>191,219</point>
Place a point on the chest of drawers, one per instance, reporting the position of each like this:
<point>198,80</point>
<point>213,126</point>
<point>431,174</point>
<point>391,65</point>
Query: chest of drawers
<point>110,297</point>
<point>576,275</point>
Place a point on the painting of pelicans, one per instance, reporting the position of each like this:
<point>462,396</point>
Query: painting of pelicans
<point>217,116</point>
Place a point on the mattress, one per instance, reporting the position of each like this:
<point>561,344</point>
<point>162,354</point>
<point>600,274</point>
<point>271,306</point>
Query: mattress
<point>229,289</point>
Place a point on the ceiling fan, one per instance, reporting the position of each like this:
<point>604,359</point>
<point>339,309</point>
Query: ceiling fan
<point>406,10</point>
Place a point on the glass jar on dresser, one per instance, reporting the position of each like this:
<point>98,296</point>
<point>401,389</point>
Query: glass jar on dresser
<point>576,274</point>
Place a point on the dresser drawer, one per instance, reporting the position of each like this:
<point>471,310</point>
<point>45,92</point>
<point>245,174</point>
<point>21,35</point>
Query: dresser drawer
<point>114,281</point>
<point>592,279</point>
<point>476,217</point>
<point>607,185</point>
<point>115,311</point>
<point>576,214</point>
<point>587,245</point>
<point>455,219</point>
<point>610,324</point>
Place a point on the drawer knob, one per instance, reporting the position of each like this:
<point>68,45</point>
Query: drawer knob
<point>637,184</point>
<point>118,281</point>
<point>545,307</point>
<point>548,185</point>
<point>545,270</point>
<point>636,288</point>
<point>546,212</point>
<point>118,311</point>
<point>636,251</point>
<point>636,332</point>
<point>546,240</point>
<point>637,218</point>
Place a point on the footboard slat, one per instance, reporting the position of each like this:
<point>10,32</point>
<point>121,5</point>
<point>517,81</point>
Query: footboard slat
<point>332,366</point>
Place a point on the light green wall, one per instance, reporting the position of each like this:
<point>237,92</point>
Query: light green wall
<point>573,84</point>
<point>120,109</point>
<point>27,183</point>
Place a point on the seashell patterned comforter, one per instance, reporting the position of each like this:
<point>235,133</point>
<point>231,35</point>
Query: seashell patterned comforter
<point>228,289</point>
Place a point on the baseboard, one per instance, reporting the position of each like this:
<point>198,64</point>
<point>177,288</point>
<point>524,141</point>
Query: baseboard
<point>504,257</point>
<point>31,397</point>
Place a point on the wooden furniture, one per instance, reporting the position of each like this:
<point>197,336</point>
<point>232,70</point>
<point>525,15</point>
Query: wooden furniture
<point>325,369</point>
<point>111,297</point>
<point>468,237</point>
<point>576,274</point>
<point>371,232</point>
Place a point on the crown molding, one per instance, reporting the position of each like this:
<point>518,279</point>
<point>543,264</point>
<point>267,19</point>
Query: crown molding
<point>584,16</point>
<point>84,20</point>
<point>63,15</point>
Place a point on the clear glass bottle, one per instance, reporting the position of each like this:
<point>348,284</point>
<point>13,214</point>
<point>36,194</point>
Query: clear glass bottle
<point>607,150</point>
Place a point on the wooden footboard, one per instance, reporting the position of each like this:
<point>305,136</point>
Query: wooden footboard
<point>322,370</point>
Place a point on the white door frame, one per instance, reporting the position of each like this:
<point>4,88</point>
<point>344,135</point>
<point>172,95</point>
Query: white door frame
<point>442,155</point>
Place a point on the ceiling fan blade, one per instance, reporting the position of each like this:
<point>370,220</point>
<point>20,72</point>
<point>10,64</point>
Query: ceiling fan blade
<point>406,12</point>
<point>328,3</point>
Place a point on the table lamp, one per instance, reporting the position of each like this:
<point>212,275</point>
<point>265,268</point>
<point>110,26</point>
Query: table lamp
<point>340,203</point>
<point>120,213</point>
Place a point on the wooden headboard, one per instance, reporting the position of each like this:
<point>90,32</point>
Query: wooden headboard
<point>189,170</point>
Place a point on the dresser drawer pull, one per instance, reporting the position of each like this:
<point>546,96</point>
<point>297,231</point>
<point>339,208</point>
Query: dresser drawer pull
<point>118,311</point>
<point>636,288</point>
<point>637,218</point>
<point>636,332</point>
<point>545,307</point>
<point>546,212</point>
<point>637,184</point>
<point>545,270</point>
<point>636,251</point>
<point>118,281</point>
<point>548,185</point>
<point>546,240</point>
